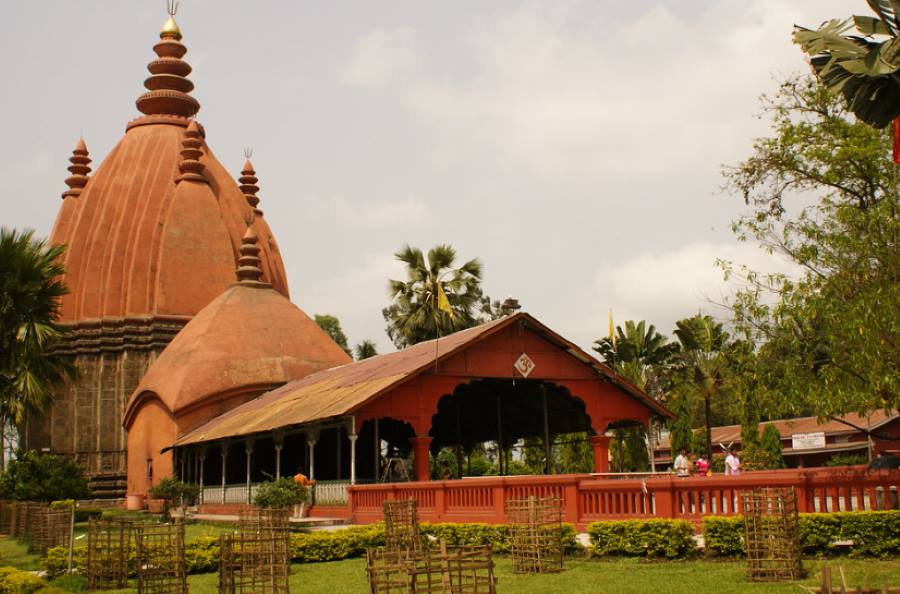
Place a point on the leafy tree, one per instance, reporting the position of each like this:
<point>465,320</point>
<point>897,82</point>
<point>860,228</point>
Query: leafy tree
<point>280,493</point>
<point>43,477</point>
<point>771,445</point>
<point>365,349</point>
<point>436,299</point>
<point>30,288</point>
<point>703,363</point>
<point>332,327</point>
<point>862,67</point>
<point>680,428</point>
<point>572,453</point>
<point>173,491</point>
<point>828,335</point>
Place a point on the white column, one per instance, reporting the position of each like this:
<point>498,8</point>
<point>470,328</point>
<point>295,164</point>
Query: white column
<point>200,477</point>
<point>311,442</point>
<point>249,450</point>
<point>278,447</point>
<point>224,456</point>
<point>352,437</point>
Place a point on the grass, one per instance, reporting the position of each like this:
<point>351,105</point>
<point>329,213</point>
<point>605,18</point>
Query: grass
<point>616,576</point>
<point>596,576</point>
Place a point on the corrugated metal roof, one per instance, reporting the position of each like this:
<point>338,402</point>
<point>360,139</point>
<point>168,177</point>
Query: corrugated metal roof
<point>341,390</point>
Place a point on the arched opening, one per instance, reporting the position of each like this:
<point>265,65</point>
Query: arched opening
<point>384,445</point>
<point>519,426</point>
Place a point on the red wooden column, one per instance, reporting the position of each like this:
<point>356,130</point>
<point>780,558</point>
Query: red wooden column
<point>600,444</point>
<point>420,454</point>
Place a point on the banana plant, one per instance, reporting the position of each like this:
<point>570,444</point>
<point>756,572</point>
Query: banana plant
<point>860,58</point>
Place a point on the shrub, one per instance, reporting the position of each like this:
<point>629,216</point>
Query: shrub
<point>671,539</point>
<point>847,459</point>
<point>283,492</point>
<point>43,477</point>
<point>14,581</point>
<point>723,535</point>
<point>83,514</point>
<point>873,533</point>
<point>173,491</point>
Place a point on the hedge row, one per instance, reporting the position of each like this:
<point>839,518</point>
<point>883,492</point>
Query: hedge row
<point>15,581</point>
<point>872,533</point>
<point>671,539</point>
<point>202,554</point>
<point>869,534</point>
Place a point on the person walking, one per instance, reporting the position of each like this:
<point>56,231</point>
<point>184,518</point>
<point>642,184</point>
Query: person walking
<point>682,465</point>
<point>732,463</point>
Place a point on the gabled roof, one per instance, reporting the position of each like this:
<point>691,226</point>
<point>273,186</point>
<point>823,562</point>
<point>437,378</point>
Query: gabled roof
<point>342,390</point>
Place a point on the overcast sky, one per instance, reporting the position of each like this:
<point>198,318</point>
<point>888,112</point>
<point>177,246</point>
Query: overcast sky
<point>573,146</point>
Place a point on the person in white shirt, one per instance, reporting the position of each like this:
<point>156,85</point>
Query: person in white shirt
<point>732,464</point>
<point>682,465</point>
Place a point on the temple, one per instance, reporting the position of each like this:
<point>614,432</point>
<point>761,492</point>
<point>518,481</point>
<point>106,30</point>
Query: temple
<point>194,362</point>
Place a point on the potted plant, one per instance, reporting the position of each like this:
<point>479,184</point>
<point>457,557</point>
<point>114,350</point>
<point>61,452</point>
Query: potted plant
<point>283,493</point>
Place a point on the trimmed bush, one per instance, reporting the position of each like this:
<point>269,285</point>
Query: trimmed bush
<point>14,581</point>
<point>873,533</point>
<point>671,539</point>
<point>723,535</point>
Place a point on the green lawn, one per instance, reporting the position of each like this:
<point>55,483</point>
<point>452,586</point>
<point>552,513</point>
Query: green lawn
<point>594,576</point>
<point>583,577</point>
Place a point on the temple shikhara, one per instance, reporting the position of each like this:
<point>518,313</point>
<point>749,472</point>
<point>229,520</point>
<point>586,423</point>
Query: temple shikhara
<point>193,361</point>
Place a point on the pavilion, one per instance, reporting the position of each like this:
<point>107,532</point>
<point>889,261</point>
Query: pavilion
<point>503,381</point>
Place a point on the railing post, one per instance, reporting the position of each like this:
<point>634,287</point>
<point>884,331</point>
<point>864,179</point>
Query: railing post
<point>440,500</point>
<point>572,504</point>
<point>500,501</point>
<point>665,499</point>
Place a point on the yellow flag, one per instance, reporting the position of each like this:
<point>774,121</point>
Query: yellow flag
<point>443,303</point>
<point>612,329</point>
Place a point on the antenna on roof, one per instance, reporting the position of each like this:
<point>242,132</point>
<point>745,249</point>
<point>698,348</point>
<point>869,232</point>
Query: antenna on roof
<point>172,7</point>
<point>248,152</point>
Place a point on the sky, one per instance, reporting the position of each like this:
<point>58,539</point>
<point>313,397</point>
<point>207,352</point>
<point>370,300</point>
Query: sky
<point>574,147</point>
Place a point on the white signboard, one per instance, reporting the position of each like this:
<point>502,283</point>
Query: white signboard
<point>808,441</point>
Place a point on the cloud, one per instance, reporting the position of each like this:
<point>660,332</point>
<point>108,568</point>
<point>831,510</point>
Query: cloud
<point>380,57</point>
<point>662,287</point>
<point>381,213</point>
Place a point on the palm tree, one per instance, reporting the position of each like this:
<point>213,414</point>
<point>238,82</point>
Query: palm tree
<point>30,288</point>
<point>435,300</point>
<point>703,362</point>
<point>365,349</point>
<point>862,69</point>
<point>635,352</point>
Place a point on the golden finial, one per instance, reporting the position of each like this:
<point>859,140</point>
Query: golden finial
<point>170,29</point>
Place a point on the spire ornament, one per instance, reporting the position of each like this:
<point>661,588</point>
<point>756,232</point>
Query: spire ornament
<point>190,167</point>
<point>249,272</point>
<point>168,86</point>
<point>248,181</point>
<point>79,168</point>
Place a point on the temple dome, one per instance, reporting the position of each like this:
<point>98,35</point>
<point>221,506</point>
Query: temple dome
<point>125,225</point>
<point>247,340</point>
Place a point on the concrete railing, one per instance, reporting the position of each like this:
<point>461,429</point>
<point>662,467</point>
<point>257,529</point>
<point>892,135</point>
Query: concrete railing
<point>331,493</point>
<point>235,493</point>
<point>589,498</point>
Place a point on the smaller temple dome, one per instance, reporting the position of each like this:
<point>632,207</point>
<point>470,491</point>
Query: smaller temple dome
<point>249,339</point>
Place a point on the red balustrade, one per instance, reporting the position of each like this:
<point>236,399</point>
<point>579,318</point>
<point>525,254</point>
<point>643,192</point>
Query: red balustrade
<point>589,498</point>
